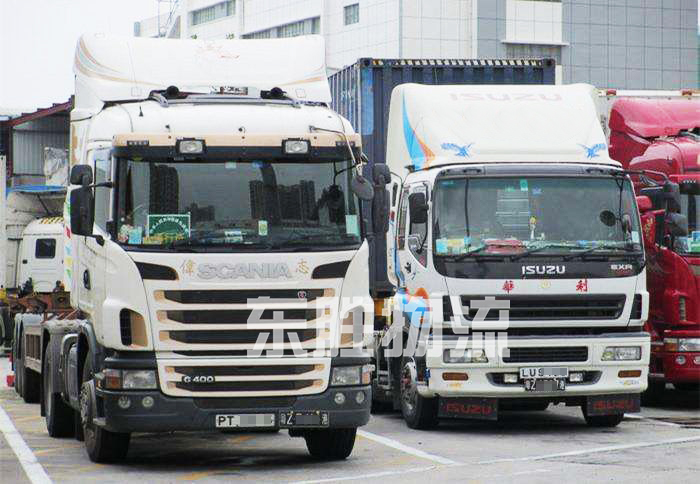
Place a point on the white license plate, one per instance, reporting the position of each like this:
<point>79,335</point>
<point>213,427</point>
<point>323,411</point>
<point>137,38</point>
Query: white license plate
<point>544,372</point>
<point>228,421</point>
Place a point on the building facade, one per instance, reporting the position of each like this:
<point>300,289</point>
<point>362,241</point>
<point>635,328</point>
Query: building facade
<point>632,44</point>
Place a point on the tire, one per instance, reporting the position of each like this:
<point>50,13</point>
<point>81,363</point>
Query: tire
<point>101,445</point>
<point>31,381</point>
<point>19,374</point>
<point>654,392</point>
<point>330,444</point>
<point>418,412</point>
<point>603,420</point>
<point>60,418</point>
<point>687,387</point>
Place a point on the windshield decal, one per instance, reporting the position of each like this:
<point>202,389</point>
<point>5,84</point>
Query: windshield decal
<point>168,227</point>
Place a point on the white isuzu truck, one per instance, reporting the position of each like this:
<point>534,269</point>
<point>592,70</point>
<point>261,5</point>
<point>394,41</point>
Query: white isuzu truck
<point>214,250</point>
<point>510,201</point>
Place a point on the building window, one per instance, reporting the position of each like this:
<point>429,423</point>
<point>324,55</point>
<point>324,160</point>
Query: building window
<point>534,51</point>
<point>213,12</point>
<point>352,14</point>
<point>45,249</point>
<point>294,29</point>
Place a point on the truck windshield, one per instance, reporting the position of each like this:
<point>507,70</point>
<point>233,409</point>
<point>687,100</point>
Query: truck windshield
<point>250,205</point>
<point>527,215</point>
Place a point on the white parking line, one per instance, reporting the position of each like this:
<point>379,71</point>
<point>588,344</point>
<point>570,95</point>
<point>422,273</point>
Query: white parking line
<point>369,476</point>
<point>25,456</point>
<point>405,448</point>
<point>610,448</point>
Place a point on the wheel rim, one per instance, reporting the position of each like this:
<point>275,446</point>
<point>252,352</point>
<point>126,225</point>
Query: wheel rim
<point>408,390</point>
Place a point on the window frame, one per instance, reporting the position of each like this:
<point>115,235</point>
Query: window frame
<point>53,247</point>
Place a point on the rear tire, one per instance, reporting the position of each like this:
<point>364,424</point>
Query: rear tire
<point>101,445</point>
<point>60,418</point>
<point>603,420</point>
<point>418,412</point>
<point>330,444</point>
<point>31,381</point>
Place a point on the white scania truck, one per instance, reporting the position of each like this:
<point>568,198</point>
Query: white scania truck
<point>510,201</point>
<point>214,250</point>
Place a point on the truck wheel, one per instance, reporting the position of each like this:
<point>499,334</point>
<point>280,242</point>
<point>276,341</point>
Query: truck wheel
<point>31,382</point>
<point>603,420</point>
<point>330,444</point>
<point>59,416</point>
<point>101,445</point>
<point>687,387</point>
<point>418,412</point>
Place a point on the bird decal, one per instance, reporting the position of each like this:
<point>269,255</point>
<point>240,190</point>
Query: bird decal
<point>592,151</point>
<point>463,151</point>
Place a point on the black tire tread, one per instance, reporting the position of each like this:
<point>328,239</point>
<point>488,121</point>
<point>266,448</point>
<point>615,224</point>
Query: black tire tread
<point>330,444</point>
<point>60,418</point>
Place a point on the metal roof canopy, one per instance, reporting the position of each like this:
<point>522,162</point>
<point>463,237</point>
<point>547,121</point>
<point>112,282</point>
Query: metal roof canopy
<point>62,108</point>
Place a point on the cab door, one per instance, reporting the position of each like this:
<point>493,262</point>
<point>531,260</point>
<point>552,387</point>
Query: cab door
<point>41,260</point>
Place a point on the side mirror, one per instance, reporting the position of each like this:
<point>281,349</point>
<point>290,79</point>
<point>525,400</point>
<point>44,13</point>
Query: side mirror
<point>644,203</point>
<point>381,204</point>
<point>677,224</point>
<point>362,188</point>
<point>81,175</point>
<point>672,195</point>
<point>418,208</point>
<point>82,211</point>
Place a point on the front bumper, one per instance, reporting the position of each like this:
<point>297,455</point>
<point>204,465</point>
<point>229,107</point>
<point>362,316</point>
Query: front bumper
<point>664,366</point>
<point>484,380</point>
<point>176,413</point>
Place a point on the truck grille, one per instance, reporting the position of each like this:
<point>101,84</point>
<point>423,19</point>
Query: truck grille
<point>240,296</point>
<point>547,354</point>
<point>538,308</point>
<point>241,316</point>
<point>247,337</point>
<point>245,377</point>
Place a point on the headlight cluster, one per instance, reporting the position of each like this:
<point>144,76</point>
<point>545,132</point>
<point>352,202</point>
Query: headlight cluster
<point>129,379</point>
<point>351,375</point>
<point>682,344</point>
<point>622,353</point>
<point>464,356</point>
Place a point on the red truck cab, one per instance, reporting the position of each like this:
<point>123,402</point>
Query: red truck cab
<point>663,135</point>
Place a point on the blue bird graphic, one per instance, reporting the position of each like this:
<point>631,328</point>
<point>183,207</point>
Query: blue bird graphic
<point>592,151</point>
<point>463,151</point>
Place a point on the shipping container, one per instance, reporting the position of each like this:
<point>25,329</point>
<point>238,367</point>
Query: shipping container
<point>362,91</point>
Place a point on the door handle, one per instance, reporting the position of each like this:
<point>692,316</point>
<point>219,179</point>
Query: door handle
<point>86,280</point>
<point>407,266</point>
<point>24,261</point>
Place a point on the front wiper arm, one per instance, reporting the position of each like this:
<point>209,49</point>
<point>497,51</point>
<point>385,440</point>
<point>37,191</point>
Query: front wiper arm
<point>476,251</point>
<point>539,249</point>
<point>601,247</point>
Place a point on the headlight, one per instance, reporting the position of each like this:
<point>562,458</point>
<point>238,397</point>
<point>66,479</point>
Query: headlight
<point>139,379</point>
<point>464,356</point>
<point>615,353</point>
<point>688,344</point>
<point>351,375</point>
<point>129,379</point>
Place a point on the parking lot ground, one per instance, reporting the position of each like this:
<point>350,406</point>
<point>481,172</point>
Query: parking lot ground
<point>662,443</point>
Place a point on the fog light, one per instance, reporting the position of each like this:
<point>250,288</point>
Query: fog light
<point>148,402</point>
<point>680,359</point>
<point>124,402</point>
<point>510,378</point>
<point>360,397</point>
<point>339,398</point>
<point>576,377</point>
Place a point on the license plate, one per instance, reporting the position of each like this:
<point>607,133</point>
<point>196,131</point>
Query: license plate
<point>304,419</point>
<point>544,385</point>
<point>229,421</point>
<point>544,372</point>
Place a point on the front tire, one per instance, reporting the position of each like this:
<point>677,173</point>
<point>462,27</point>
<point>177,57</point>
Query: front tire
<point>101,445</point>
<point>330,444</point>
<point>60,418</point>
<point>418,412</point>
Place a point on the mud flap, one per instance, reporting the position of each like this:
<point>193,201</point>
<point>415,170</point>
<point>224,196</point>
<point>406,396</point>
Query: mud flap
<point>468,407</point>
<point>612,404</point>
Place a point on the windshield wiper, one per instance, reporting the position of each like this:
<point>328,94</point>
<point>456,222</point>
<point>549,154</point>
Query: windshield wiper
<point>475,252</point>
<point>534,250</point>
<point>626,248</point>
